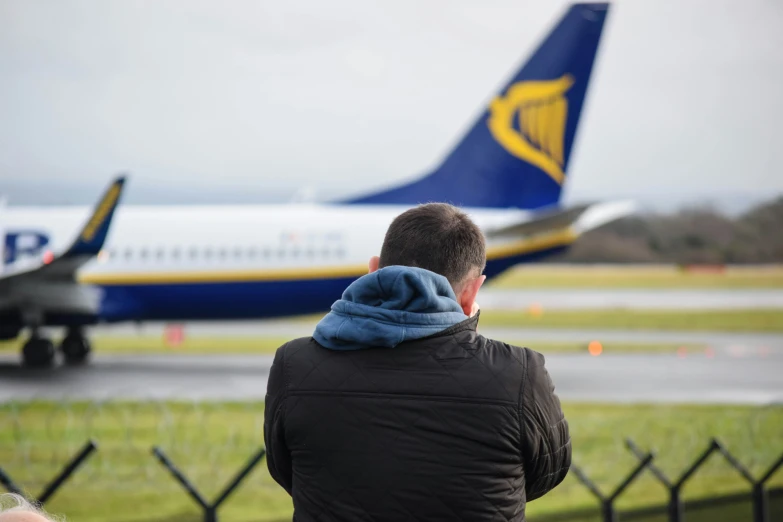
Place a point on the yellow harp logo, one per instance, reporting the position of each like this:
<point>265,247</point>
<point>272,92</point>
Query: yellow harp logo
<point>542,109</point>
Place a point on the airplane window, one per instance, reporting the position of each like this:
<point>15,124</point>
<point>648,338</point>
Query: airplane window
<point>159,253</point>
<point>281,252</point>
<point>310,252</point>
<point>252,253</point>
<point>143,253</point>
<point>128,253</point>
<point>325,252</point>
<point>221,253</point>
<point>238,252</point>
<point>207,253</point>
<point>267,252</point>
<point>193,252</point>
<point>340,252</point>
<point>175,253</point>
<point>295,252</point>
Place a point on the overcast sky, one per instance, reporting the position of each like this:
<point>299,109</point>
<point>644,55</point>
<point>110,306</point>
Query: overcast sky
<point>254,97</point>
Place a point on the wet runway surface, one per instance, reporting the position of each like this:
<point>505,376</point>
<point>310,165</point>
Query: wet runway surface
<point>720,378</point>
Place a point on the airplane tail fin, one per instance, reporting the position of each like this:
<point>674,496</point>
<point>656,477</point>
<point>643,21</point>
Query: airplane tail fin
<point>87,244</point>
<point>93,234</point>
<point>516,154</point>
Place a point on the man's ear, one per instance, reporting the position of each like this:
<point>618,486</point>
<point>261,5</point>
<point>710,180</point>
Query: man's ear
<point>469,293</point>
<point>375,262</point>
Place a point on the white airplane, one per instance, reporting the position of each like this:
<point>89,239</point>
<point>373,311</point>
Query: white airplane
<point>185,263</point>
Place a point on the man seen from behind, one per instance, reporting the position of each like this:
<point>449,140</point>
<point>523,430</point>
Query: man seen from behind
<point>397,409</point>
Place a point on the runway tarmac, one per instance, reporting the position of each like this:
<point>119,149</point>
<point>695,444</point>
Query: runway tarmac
<point>720,378</point>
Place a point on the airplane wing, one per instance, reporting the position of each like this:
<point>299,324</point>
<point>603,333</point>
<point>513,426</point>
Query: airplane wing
<point>541,222</point>
<point>578,219</point>
<point>86,245</point>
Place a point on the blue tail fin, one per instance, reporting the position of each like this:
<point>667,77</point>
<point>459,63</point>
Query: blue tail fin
<point>516,155</point>
<point>92,236</point>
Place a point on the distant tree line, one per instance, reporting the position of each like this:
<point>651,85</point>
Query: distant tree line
<point>691,236</point>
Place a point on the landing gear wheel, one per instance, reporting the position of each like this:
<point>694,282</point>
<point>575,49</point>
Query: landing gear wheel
<point>38,352</point>
<point>75,348</point>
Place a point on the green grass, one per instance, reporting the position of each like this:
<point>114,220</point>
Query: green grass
<point>191,345</point>
<point>123,482</point>
<point>268,345</point>
<point>637,276</point>
<point>146,344</point>
<point>759,320</point>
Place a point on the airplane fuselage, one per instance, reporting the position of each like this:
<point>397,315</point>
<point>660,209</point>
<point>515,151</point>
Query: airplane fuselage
<point>231,262</point>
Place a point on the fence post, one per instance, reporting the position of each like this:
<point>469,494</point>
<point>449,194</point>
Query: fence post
<point>58,481</point>
<point>675,508</point>
<point>608,512</point>
<point>758,494</point>
<point>713,446</point>
<point>760,500</point>
<point>210,510</point>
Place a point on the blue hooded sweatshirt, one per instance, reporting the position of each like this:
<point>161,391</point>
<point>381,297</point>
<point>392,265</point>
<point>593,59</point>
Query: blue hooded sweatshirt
<point>387,307</point>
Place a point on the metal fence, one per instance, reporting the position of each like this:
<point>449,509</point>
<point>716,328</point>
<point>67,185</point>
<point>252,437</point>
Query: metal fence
<point>674,511</point>
<point>728,508</point>
<point>209,508</point>
<point>102,450</point>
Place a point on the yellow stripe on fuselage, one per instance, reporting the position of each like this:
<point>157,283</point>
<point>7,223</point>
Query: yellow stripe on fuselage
<point>223,276</point>
<point>525,246</point>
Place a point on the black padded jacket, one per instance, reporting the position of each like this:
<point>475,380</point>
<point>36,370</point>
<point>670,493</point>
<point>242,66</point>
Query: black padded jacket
<point>453,426</point>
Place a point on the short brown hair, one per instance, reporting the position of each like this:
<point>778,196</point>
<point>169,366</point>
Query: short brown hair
<point>437,237</point>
